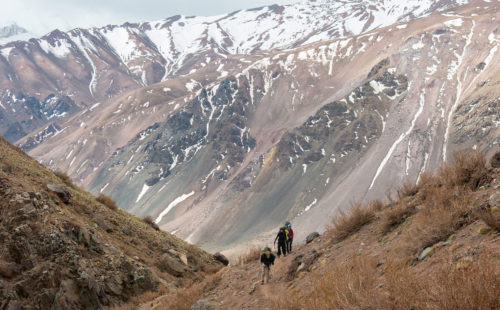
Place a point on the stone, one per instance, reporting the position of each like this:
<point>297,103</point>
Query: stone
<point>495,160</point>
<point>312,236</point>
<point>484,230</point>
<point>183,258</point>
<point>203,304</point>
<point>495,200</point>
<point>126,231</point>
<point>425,253</point>
<point>60,191</point>
<point>252,288</point>
<point>171,265</point>
<point>221,258</point>
<point>99,220</point>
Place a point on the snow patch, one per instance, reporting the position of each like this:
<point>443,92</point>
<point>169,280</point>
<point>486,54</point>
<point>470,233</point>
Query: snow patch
<point>174,203</point>
<point>143,191</point>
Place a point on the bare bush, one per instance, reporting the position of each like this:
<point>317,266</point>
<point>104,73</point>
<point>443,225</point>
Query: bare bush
<point>347,223</point>
<point>148,219</point>
<point>107,201</point>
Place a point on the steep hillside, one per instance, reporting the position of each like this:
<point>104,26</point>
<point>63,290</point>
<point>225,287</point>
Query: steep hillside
<point>291,134</point>
<point>60,248</point>
<point>435,246</point>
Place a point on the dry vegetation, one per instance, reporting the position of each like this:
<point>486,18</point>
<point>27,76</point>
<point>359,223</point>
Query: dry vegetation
<point>184,299</point>
<point>252,255</point>
<point>432,211</point>
<point>107,201</point>
<point>65,178</point>
<point>348,223</point>
<point>148,219</point>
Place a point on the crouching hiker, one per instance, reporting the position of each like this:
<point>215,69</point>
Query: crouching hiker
<point>267,259</point>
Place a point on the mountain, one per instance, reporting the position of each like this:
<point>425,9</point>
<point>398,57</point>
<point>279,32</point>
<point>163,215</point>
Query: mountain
<point>92,65</point>
<point>63,249</point>
<point>13,32</point>
<point>227,146</point>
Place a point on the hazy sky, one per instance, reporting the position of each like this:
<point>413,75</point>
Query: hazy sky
<point>42,16</point>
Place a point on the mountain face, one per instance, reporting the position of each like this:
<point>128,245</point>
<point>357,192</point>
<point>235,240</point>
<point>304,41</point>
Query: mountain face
<point>92,65</point>
<point>63,249</point>
<point>236,133</point>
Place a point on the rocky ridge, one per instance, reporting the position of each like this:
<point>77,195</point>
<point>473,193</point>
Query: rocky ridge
<point>62,249</point>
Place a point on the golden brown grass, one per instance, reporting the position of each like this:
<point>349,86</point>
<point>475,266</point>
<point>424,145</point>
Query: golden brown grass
<point>65,178</point>
<point>347,223</point>
<point>148,219</point>
<point>359,284</point>
<point>107,201</point>
<point>184,299</point>
<point>394,216</point>
<point>467,170</point>
<point>144,298</point>
<point>407,189</point>
<point>458,286</point>
<point>252,255</point>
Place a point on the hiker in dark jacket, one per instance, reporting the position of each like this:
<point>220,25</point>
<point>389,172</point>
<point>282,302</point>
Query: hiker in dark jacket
<point>267,259</point>
<point>281,237</point>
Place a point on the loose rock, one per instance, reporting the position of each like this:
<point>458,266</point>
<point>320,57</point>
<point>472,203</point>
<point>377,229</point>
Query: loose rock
<point>312,236</point>
<point>221,258</point>
<point>60,191</point>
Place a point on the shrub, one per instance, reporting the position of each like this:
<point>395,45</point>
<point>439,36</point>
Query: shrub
<point>148,219</point>
<point>436,222</point>
<point>468,170</point>
<point>394,216</point>
<point>407,189</point>
<point>63,176</point>
<point>107,201</point>
<point>252,255</point>
<point>348,223</point>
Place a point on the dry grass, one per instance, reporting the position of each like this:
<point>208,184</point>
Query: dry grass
<point>184,299</point>
<point>345,224</point>
<point>107,201</point>
<point>491,218</point>
<point>436,222</point>
<point>474,285</point>
<point>468,170</point>
<point>349,286</point>
<point>144,298</point>
<point>394,216</point>
<point>407,189</point>
<point>65,178</point>
<point>148,219</point>
<point>364,286</point>
<point>252,255</point>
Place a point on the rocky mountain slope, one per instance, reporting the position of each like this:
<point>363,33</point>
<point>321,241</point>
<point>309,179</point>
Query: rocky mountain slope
<point>92,65</point>
<point>60,248</point>
<point>245,142</point>
<point>435,246</point>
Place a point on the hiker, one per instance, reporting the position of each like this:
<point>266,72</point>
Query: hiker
<point>281,237</point>
<point>267,259</point>
<point>289,239</point>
